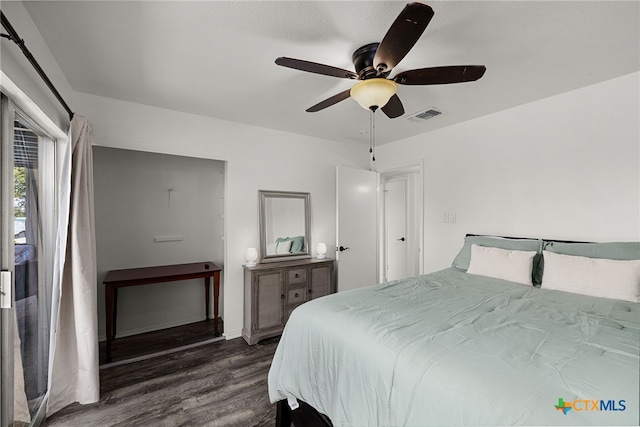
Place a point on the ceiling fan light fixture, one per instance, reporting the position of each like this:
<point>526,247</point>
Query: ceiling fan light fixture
<point>372,93</point>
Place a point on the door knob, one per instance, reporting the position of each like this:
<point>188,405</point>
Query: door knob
<point>400,239</point>
<point>342,248</point>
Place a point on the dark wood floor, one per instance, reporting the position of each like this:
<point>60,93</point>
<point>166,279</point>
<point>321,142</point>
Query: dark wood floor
<point>157,341</point>
<point>218,384</point>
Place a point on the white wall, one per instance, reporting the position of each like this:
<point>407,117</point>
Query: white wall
<point>133,206</point>
<point>257,159</point>
<point>565,167</point>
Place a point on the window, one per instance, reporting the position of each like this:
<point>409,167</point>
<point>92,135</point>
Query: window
<point>34,231</point>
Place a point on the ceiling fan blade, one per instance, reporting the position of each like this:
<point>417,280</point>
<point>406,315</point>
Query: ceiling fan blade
<point>330,101</point>
<point>314,67</point>
<point>402,35</point>
<point>441,75</point>
<point>393,108</point>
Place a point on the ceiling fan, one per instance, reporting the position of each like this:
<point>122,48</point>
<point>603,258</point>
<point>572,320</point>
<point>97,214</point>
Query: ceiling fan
<point>373,64</point>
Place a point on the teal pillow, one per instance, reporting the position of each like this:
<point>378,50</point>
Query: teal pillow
<point>461,261</point>
<point>621,251</point>
<point>298,244</point>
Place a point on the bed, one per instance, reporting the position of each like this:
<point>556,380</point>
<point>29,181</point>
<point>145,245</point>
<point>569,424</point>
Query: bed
<point>455,347</point>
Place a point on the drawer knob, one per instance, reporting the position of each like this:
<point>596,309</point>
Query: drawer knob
<point>309,290</point>
<point>282,296</point>
<point>296,295</point>
<point>297,275</point>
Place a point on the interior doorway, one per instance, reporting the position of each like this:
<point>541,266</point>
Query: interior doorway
<point>155,209</point>
<point>401,223</point>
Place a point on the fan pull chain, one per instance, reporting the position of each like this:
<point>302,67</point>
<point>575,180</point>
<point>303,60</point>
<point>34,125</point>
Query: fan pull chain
<point>372,136</point>
<point>370,131</point>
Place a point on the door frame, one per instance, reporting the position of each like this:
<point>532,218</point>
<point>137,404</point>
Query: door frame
<point>16,101</point>
<point>7,113</point>
<point>414,174</point>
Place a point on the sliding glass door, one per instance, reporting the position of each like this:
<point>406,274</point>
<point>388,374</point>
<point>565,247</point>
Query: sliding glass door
<point>28,190</point>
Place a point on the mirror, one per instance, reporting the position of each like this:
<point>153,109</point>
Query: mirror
<point>284,226</point>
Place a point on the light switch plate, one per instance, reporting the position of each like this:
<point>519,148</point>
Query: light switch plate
<point>449,217</point>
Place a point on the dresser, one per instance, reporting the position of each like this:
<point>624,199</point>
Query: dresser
<point>273,290</point>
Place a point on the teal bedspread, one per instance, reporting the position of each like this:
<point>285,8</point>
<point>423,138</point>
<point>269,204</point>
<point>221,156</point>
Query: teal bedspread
<point>451,348</point>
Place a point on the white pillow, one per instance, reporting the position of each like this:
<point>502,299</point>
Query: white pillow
<point>271,248</point>
<point>598,277</point>
<point>515,266</point>
<point>284,247</point>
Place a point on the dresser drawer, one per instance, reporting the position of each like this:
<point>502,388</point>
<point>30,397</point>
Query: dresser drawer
<point>296,295</point>
<point>296,276</point>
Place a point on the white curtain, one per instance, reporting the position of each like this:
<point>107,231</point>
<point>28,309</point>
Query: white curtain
<point>20,405</point>
<point>73,360</point>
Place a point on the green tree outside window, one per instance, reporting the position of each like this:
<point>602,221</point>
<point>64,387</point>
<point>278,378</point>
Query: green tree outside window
<point>20,192</point>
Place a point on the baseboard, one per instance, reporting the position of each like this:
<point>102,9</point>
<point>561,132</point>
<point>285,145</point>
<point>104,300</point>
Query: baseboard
<point>230,335</point>
<point>159,353</point>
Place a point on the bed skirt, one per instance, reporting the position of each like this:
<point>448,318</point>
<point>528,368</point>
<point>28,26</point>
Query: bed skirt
<point>305,415</point>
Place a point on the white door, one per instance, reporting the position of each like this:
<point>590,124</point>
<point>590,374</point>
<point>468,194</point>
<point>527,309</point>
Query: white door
<point>357,217</point>
<point>395,201</point>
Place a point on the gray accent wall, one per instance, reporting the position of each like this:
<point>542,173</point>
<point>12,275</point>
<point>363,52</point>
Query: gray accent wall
<point>141,196</point>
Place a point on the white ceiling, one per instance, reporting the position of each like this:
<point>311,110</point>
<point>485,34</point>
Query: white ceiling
<point>217,58</point>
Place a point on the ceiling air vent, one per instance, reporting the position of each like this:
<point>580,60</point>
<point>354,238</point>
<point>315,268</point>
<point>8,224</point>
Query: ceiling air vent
<point>425,115</point>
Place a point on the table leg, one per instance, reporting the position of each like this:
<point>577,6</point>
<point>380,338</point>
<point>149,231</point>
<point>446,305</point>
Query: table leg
<point>109,302</point>
<point>115,312</point>
<point>207,291</point>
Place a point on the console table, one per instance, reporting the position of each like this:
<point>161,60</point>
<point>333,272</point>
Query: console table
<point>149,275</point>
